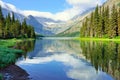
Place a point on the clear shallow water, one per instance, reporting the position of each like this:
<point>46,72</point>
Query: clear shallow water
<point>59,59</point>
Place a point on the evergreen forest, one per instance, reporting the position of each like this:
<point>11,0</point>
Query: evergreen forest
<point>12,28</point>
<point>104,22</point>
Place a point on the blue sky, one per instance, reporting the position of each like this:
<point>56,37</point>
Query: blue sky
<point>40,5</point>
<point>55,9</point>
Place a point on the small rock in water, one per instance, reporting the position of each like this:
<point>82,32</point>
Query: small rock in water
<point>7,76</point>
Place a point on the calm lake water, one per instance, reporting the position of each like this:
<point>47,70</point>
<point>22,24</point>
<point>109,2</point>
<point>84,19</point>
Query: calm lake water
<point>66,59</point>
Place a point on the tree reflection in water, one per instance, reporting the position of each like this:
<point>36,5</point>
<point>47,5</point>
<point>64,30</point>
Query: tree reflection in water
<point>104,56</point>
<point>26,46</point>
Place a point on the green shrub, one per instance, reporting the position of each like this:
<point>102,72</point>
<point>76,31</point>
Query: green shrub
<point>8,56</point>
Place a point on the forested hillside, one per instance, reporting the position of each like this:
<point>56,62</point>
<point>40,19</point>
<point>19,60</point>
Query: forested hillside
<point>103,22</point>
<point>12,28</point>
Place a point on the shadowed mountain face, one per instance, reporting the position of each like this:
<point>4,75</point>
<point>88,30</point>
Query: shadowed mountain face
<point>37,26</point>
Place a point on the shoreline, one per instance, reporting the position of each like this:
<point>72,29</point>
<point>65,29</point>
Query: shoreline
<point>13,72</point>
<point>98,39</point>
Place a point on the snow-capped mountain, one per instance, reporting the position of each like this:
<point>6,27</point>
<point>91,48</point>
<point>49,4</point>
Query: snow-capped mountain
<point>40,24</point>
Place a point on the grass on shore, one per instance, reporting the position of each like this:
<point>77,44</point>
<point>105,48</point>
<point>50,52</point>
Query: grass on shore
<point>11,42</point>
<point>8,55</point>
<point>98,39</point>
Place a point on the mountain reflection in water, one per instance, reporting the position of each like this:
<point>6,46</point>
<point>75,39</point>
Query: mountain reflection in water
<point>53,59</point>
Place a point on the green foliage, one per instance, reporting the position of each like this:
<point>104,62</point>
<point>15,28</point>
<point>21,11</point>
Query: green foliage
<point>102,23</point>
<point>11,28</point>
<point>26,46</point>
<point>103,55</point>
<point>8,56</point>
<point>7,43</point>
<point>118,4</point>
<point>119,22</point>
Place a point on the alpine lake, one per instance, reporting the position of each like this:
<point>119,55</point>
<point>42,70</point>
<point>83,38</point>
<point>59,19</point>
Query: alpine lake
<point>51,58</point>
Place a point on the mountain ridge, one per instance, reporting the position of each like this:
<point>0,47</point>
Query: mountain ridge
<point>44,25</point>
<point>37,22</point>
<point>76,27</point>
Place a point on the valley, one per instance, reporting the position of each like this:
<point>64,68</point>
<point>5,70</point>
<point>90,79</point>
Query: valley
<point>60,40</point>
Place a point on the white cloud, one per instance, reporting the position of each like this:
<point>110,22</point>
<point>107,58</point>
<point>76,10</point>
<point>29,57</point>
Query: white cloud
<point>9,6</point>
<point>37,13</point>
<point>78,6</point>
<point>89,2</point>
<point>74,2</point>
<point>65,15</point>
<point>79,69</point>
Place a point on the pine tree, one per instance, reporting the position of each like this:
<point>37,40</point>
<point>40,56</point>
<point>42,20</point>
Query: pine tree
<point>86,28</point>
<point>96,20</point>
<point>32,33</point>
<point>119,22</point>
<point>16,29</point>
<point>13,17</point>
<point>1,23</point>
<point>82,30</point>
<point>107,21</point>
<point>23,28</point>
<point>92,25</point>
<point>11,28</point>
<point>7,26</point>
<point>100,28</point>
<point>114,22</point>
<point>103,21</point>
